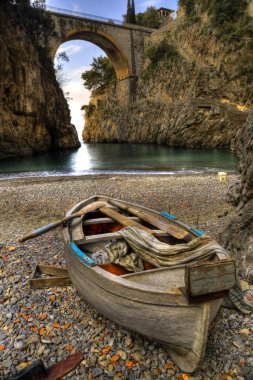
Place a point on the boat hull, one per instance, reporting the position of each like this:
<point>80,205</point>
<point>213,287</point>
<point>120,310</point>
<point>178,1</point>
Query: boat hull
<point>152,311</point>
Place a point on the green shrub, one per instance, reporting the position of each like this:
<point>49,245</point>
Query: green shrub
<point>89,109</point>
<point>162,52</point>
<point>227,18</point>
<point>101,75</point>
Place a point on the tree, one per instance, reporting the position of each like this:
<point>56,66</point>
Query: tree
<point>130,18</point>
<point>150,18</point>
<point>60,76</point>
<point>41,4</point>
<point>100,76</point>
<point>127,17</point>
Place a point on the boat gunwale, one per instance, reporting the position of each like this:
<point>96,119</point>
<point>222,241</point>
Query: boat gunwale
<point>178,297</point>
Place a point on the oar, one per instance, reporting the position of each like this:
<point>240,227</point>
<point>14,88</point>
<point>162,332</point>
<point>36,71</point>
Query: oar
<point>40,231</point>
<point>155,220</point>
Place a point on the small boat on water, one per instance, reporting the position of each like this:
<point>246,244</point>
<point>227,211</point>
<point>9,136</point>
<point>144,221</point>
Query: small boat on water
<point>148,272</point>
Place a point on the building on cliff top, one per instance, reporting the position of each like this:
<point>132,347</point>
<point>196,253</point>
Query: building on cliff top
<point>166,15</point>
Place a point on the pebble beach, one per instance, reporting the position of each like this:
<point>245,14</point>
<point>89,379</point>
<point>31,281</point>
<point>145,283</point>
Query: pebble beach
<point>52,323</point>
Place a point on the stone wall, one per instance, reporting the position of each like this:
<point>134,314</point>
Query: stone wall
<point>34,115</point>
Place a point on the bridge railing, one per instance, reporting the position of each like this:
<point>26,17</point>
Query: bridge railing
<point>82,15</point>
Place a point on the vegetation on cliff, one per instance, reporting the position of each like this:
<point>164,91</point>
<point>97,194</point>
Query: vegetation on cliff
<point>162,53</point>
<point>100,76</point>
<point>226,18</point>
<point>150,18</point>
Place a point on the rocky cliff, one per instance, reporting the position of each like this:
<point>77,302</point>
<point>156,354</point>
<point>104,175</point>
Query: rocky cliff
<point>34,115</point>
<point>198,94</point>
<point>194,90</point>
<point>238,236</point>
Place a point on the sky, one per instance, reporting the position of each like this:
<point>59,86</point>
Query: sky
<point>81,53</point>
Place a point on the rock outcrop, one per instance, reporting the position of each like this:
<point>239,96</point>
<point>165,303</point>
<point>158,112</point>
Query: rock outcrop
<point>195,90</point>
<point>195,123</point>
<point>238,236</point>
<point>34,115</point>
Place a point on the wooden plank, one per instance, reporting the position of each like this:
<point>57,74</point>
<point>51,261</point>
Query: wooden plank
<point>212,277</point>
<point>123,220</point>
<point>105,220</point>
<point>61,277</point>
<point>109,236</point>
<point>53,270</point>
<point>158,221</point>
<point>41,283</point>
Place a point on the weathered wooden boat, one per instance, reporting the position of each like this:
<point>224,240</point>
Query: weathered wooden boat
<point>174,306</point>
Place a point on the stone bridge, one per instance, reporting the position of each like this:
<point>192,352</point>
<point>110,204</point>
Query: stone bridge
<point>123,43</point>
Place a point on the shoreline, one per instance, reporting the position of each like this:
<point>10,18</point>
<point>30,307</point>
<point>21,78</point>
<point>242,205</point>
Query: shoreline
<point>27,204</point>
<point>65,177</point>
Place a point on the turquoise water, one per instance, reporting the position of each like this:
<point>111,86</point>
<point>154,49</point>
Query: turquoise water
<point>120,158</point>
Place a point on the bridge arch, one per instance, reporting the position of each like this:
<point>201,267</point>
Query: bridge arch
<point>103,40</point>
<point>124,44</point>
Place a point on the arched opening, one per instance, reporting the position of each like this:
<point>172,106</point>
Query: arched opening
<point>81,55</point>
<point>105,42</point>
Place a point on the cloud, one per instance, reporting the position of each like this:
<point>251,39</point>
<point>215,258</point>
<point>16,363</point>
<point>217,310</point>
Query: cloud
<point>76,73</point>
<point>76,7</point>
<point>150,3</point>
<point>79,95</point>
<point>70,50</point>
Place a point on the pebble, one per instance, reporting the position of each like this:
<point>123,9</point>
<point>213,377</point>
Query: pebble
<point>32,339</point>
<point>122,354</point>
<point>6,363</point>
<point>97,372</point>
<point>57,340</point>
<point>230,342</point>
<point>147,376</point>
<point>19,345</point>
<point>21,366</point>
<point>41,350</point>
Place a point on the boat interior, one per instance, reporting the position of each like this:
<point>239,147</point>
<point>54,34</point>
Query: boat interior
<point>98,230</point>
<point>100,227</point>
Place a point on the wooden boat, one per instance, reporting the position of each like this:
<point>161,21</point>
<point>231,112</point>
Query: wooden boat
<point>174,306</point>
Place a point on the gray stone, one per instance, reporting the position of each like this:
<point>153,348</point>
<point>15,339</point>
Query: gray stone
<point>97,372</point>
<point>57,340</point>
<point>147,376</point>
<point>7,363</point>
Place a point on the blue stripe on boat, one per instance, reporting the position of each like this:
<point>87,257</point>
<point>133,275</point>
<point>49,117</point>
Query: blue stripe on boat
<point>199,233</point>
<point>169,216</point>
<point>81,255</point>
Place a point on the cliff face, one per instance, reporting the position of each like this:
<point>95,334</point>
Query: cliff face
<point>238,236</point>
<point>195,90</point>
<point>192,123</point>
<point>34,115</point>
